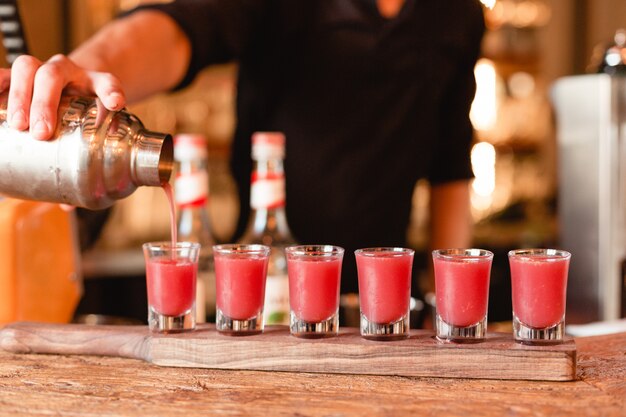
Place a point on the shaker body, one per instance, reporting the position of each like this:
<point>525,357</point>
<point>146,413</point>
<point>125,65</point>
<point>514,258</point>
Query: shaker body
<point>95,157</point>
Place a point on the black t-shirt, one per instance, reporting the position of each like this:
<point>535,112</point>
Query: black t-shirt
<point>368,105</point>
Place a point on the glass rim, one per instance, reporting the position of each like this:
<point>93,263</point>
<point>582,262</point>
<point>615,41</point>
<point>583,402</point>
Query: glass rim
<point>552,254</point>
<point>469,254</point>
<point>167,245</point>
<point>386,250</point>
<point>241,248</point>
<point>315,250</point>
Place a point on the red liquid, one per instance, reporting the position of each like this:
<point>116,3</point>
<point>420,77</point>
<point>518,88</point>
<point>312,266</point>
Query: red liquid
<point>240,285</point>
<point>384,286</point>
<point>314,287</point>
<point>462,288</point>
<point>170,197</point>
<point>539,288</point>
<point>171,285</point>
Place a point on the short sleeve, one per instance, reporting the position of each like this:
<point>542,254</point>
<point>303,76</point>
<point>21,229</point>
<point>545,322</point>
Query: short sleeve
<point>453,144</point>
<point>218,30</point>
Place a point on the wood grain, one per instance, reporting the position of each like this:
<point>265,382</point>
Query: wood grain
<point>499,357</point>
<point>77,339</point>
<point>88,386</point>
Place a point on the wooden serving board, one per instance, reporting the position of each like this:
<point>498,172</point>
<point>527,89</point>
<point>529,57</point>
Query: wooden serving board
<point>421,355</point>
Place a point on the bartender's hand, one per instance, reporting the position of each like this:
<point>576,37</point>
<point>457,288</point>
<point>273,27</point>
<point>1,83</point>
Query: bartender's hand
<point>145,61</point>
<point>35,90</point>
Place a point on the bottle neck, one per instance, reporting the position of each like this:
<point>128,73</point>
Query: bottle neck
<point>191,190</point>
<point>191,194</point>
<point>270,221</point>
<point>267,201</point>
<point>193,220</point>
<point>191,186</point>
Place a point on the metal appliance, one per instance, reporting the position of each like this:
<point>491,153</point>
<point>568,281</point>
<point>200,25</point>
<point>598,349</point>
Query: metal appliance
<point>95,158</point>
<point>591,140</point>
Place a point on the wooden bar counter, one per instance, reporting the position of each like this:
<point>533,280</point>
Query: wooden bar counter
<point>73,385</point>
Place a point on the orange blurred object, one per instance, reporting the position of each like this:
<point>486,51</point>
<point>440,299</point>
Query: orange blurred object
<point>40,276</point>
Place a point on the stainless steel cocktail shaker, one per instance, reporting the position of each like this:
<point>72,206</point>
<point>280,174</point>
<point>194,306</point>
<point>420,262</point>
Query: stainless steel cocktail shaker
<point>95,157</point>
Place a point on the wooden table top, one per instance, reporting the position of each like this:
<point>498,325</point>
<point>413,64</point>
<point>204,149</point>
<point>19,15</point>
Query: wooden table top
<point>34,384</point>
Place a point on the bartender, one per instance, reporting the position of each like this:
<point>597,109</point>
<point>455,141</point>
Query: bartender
<point>372,96</point>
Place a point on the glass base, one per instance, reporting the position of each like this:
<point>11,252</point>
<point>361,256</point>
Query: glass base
<point>314,330</point>
<point>469,334</point>
<point>385,331</point>
<point>234,327</point>
<point>161,323</point>
<point>534,336</point>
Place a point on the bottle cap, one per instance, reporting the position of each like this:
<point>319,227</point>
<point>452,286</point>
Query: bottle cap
<point>268,145</point>
<point>190,147</point>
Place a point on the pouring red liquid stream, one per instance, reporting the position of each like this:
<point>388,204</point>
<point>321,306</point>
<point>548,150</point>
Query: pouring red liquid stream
<point>171,281</point>
<point>170,197</point>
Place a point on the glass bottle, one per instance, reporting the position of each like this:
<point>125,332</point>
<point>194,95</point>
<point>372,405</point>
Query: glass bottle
<point>191,190</point>
<point>614,57</point>
<point>268,221</point>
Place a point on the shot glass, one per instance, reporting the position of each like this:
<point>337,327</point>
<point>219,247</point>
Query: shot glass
<point>384,292</point>
<point>171,272</point>
<point>539,283</point>
<point>240,274</point>
<point>462,293</point>
<point>314,279</point>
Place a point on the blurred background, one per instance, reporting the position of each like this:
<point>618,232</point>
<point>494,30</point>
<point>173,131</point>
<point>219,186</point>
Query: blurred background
<point>529,45</point>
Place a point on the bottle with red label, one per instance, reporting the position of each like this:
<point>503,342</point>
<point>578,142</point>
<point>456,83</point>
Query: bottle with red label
<point>268,221</point>
<point>191,191</point>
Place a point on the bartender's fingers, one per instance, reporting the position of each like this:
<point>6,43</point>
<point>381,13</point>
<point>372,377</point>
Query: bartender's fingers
<point>109,89</point>
<point>20,92</point>
<point>50,80</point>
<point>66,207</point>
<point>80,81</point>
<point>106,86</point>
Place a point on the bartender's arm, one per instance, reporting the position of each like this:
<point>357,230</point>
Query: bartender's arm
<point>127,60</point>
<point>450,218</point>
<point>450,215</point>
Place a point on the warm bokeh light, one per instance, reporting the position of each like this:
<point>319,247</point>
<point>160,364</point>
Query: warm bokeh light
<point>521,85</point>
<point>484,168</point>
<point>519,14</point>
<point>488,3</point>
<point>494,173</point>
<point>484,107</point>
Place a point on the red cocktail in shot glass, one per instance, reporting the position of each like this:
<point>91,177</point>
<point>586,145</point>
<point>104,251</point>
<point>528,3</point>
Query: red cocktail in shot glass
<point>240,274</point>
<point>462,291</point>
<point>539,286</point>
<point>314,280</point>
<point>384,291</point>
<point>171,273</point>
